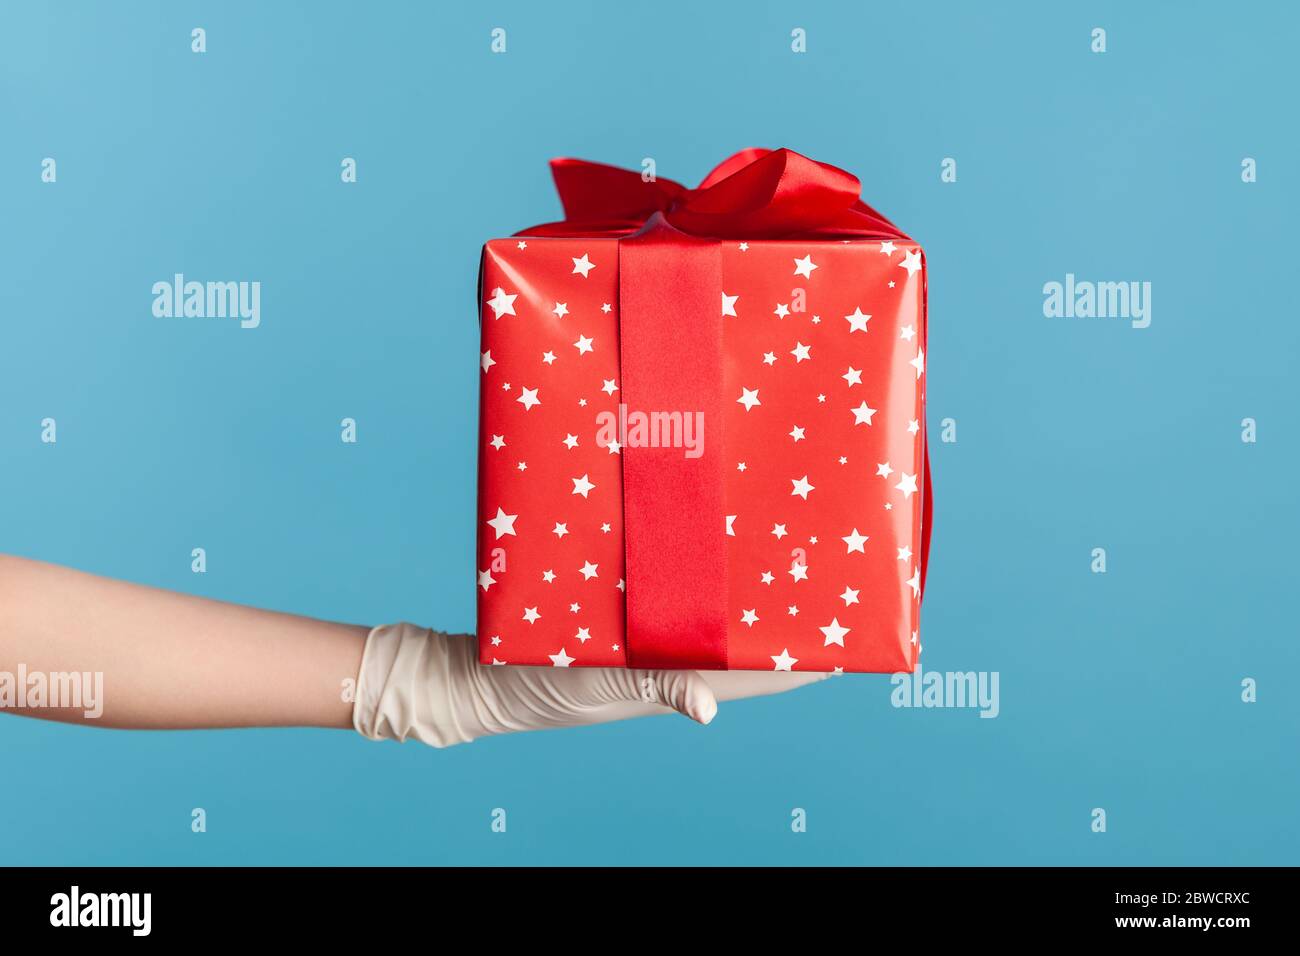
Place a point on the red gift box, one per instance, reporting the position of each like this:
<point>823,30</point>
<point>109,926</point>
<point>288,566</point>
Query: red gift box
<point>702,426</point>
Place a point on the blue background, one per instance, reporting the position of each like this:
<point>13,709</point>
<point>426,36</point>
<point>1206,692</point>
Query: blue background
<point>1119,691</point>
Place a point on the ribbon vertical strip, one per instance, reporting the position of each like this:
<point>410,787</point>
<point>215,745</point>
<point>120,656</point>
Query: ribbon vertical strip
<point>670,342</point>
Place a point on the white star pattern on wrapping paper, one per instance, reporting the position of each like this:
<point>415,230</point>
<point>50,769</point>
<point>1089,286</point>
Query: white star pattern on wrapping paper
<point>911,262</point>
<point>783,661</point>
<point>528,398</point>
<point>913,427</point>
<point>731,521</point>
<point>485,579</point>
<point>914,582</point>
<point>748,398</point>
<point>801,352</point>
<point>918,363</point>
<point>729,304</point>
<point>798,571</point>
<point>531,615</point>
<point>749,617</point>
<point>582,266</point>
<point>779,531</point>
<point>521,244</point>
<point>503,523</point>
<point>502,304</point>
<point>907,333</point>
<point>588,571</point>
<point>498,442</point>
<point>782,310</point>
<point>767,577</point>
<point>609,388</point>
<point>853,376</point>
<point>560,529</point>
<point>801,487</point>
<point>904,553</point>
<point>561,659</point>
<point>887,248</point>
<point>583,345</point>
<point>607,308</point>
<point>834,632</point>
<point>907,485</point>
<point>583,635</point>
<point>486,360</point>
<point>883,469</point>
<point>561,309</point>
<point>548,576</point>
<point>862,414</point>
<point>850,596</point>
<point>855,542</point>
<point>548,358</point>
<point>769,358</point>
<point>796,433</point>
<point>857,321</point>
<point>570,442</point>
<point>804,267</point>
<point>582,486</point>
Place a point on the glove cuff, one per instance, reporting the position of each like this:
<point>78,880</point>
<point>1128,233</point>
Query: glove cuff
<point>404,688</point>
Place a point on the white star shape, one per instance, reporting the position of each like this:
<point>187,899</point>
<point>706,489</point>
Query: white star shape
<point>855,542</point>
<point>850,596</point>
<point>913,427</point>
<point>914,582</point>
<point>783,661</point>
<point>779,531</point>
<point>769,358</point>
<point>583,635</point>
<point>528,398</point>
<point>521,244</point>
<point>531,615</point>
<point>548,576</point>
<point>731,521</point>
<point>798,571</point>
<point>583,265</point>
<point>792,610</point>
<point>853,376</point>
<point>503,524</point>
<point>918,363</point>
<point>797,433</point>
<point>498,442</point>
<point>560,529</point>
<point>502,304</point>
<point>609,388</point>
<point>607,308</point>
<point>583,345</point>
<point>883,469</point>
<point>561,659</point>
<point>782,310</point>
<point>907,332</point>
<point>548,357</point>
<point>804,267</point>
<point>581,486</point>
<point>801,487</point>
<point>887,247</point>
<point>571,441</point>
<point>748,398</point>
<point>749,617</point>
<point>561,309</point>
<point>485,579</point>
<point>767,577</point>
<point>904,553</point>
<point>834,632</point>
<point>588,570</point>
<point>857,321</point>
<point>729,304</point>
<point>906,484</point>
<point>486,360</point>
<point>800,352</point>
<point>743,247</point>
<point>862,414</point>
<point>911,262</point>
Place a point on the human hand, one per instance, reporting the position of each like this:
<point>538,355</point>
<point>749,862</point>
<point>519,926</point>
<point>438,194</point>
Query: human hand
<point>419,683</point>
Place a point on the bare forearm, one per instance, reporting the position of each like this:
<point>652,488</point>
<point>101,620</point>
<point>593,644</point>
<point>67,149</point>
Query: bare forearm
<point>174,660</point>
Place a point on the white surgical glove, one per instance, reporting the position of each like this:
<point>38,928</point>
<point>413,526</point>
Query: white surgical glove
<point>419,683</point>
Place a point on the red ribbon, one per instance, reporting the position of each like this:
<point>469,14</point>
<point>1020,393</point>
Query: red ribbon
<point>671,359</point>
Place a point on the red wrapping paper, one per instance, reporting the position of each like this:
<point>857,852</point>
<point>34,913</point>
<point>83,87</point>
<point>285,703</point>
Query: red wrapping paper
<point>820,449</point>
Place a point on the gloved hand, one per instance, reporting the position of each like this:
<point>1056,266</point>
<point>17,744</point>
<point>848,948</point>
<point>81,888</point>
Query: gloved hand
<point>423,684</point>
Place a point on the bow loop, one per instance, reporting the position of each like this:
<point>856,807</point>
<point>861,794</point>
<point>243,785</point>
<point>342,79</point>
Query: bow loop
<point>755,194</point>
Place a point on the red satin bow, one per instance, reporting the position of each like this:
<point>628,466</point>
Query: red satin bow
<point>755,194</point>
